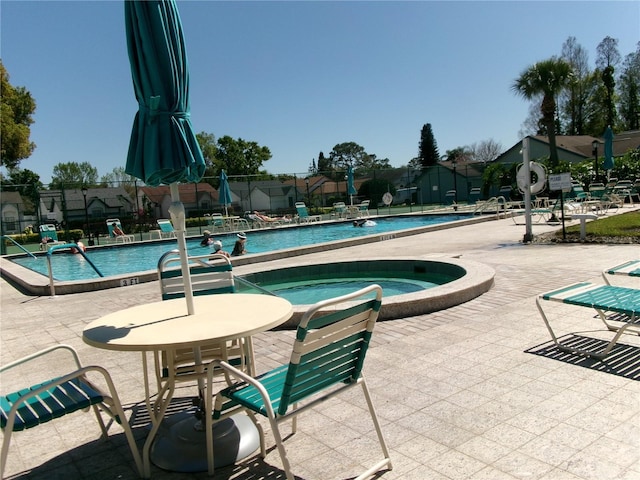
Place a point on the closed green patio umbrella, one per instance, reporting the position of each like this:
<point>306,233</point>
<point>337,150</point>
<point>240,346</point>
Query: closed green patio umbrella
<point>608,151</point>
<point>351,187</point>
<point>224,193</point>
<point>163,147</point>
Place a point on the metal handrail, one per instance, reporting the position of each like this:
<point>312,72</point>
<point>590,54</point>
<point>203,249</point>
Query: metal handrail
<point>60,247</point>
<point>18,245</point>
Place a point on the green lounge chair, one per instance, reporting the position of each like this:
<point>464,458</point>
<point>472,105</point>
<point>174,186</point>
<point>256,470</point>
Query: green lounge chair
<point>166,228</point>
<point>630,269</point>
<point>303,214</point>
<point>601,298</point>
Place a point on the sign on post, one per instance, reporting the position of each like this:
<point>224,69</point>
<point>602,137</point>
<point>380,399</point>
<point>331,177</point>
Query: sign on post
<point>560,181</point>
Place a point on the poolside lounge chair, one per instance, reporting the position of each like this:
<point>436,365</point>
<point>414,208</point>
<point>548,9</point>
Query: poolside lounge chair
<point>601,298</point>
<point>216,222</point>
<point>210,274</point>
<point>363,208</point>
<point>303,214</point>
<point>166,228</point>
<point>112,223</point>
<point>340,210</point>
<point>328,355</point>
<point>630,269</point>
<point>474,195</point>
<point>50,398</point>
<point>48,236</point>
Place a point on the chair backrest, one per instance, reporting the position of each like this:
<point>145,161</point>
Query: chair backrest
<point>364,205</point>
<point>165,225</point>
<point>110,227</point>
<point>505,191</point>
<point>48,231</point>
<point>450,197</point>
<point>340,207</point>
<point>210,274</point>
<point>330,348</point>
<point>302,209</point>
<point>474,195</point>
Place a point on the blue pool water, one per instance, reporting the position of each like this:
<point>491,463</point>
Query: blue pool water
<point>311,291</point>
<point>128,259</point>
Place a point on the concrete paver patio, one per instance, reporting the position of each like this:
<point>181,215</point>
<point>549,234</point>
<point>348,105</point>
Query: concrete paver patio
<point>471,392</point>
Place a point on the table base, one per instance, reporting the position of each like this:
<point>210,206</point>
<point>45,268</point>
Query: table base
<point>181,446</point>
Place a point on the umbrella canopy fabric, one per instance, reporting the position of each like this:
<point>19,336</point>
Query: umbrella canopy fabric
<point>163,147</point>
<point>608,149</point>
<point>224,193</point>
<point>351,187</point>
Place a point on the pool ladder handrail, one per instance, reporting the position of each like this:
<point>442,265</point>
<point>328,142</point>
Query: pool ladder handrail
<point>18,245</point>
<point>79,250</point>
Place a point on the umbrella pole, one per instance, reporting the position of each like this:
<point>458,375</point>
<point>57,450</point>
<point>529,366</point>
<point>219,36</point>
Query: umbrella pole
<point>176,210</point>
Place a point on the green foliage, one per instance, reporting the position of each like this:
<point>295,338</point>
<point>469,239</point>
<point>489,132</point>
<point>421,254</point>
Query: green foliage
<point>625,167</point>
<point>492,177</point>
<point>240,157</point>
<point>428,154</point>
<point>74,175</point>
<point>27,183</point>
<point>547,78</point>
<point>17,107</point>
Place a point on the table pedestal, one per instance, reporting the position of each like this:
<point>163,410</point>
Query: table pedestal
<point>181,445</point>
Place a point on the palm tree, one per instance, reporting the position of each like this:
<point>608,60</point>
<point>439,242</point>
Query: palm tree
<point>546,78</point>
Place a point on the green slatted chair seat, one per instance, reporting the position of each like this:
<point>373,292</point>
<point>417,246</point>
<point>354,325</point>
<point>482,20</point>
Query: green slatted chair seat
<point>604,297</point>
<point>631,268</point>
<point>53,403</point>
<point>56,397</point>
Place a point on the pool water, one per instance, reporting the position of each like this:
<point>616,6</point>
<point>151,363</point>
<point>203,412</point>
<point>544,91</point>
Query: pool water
<point>311,291</point>
<point>141,257</point>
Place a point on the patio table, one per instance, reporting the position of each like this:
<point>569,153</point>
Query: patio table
<point>166,326</point>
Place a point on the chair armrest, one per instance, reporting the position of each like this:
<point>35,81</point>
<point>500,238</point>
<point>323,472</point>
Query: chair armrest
<point>41,353</point>
<point>239,375</point>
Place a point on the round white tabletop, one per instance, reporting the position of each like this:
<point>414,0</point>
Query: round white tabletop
<point>166,324</point>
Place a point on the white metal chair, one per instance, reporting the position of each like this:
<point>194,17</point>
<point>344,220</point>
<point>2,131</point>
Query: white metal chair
<point>327,359</point>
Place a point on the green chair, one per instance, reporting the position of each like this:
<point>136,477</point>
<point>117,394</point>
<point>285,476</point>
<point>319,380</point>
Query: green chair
<point>340,210</point>
<point>59,396</point>
<point>327,359</point>
<point>166,228</point>
<point>210,274</point>
<point>303,214</point>
<point>602,299</point>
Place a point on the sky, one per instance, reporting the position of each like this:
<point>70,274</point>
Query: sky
<point>300,77</point>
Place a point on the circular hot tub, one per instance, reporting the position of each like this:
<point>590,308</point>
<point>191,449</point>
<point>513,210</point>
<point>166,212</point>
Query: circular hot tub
<point>410,286</point>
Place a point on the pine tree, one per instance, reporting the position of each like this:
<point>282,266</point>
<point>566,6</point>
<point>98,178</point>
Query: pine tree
<point>428,152</point>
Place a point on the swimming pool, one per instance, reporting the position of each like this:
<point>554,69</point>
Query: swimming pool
<point>130,259</point>
<point>410,286</point>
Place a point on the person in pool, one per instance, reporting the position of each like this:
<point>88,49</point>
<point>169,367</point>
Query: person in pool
<point>217,247</point>
<point>207,240</point>
<point>364,223</point>
<point>239,247</point>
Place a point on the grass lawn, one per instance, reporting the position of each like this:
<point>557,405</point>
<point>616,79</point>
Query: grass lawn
<point>623,228</point>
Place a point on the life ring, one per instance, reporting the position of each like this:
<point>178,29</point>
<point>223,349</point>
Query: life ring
<point>541,178</point>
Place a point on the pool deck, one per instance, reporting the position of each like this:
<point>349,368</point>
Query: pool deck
<point>471,392</point>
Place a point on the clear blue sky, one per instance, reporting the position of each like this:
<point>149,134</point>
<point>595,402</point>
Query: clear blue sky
<point>300,77</point>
